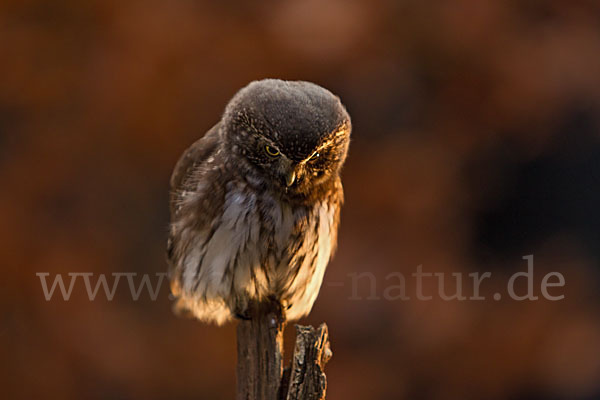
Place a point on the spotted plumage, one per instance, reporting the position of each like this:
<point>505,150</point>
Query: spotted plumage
<point>255,203</point>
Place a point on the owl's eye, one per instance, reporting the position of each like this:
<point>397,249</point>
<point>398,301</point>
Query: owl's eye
<point>314,157</point>
<point>272,151</point>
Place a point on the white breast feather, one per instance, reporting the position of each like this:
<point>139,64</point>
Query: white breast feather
<point>238,233</point>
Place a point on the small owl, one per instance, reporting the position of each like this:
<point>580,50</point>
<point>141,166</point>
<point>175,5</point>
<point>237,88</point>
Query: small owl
<point>255,203</point>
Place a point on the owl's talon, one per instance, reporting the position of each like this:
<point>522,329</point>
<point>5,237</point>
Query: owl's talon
<point>285,305</point>
<point>242,316</point>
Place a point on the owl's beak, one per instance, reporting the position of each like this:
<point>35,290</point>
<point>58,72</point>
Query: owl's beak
<point>290,178</point>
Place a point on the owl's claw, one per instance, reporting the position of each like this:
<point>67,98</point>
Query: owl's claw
<point>285,305</point>
<point>242,316</point>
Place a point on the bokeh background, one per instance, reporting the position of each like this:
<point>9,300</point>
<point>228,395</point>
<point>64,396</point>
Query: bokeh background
<point>476,141</point>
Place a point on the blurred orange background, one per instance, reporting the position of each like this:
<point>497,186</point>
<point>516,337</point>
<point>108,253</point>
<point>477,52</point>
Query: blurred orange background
<point>476,142</point>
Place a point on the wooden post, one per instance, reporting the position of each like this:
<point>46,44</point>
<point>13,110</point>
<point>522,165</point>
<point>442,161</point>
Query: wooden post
<point>260,374</point>
<point>260,352</point>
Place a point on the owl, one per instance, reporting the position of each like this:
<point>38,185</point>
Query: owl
<point>255,203</point>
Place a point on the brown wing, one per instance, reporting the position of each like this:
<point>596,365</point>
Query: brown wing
<point>194,156</point>
<point>191,159</point>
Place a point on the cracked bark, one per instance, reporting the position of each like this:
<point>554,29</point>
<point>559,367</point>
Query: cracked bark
<point>260,373</point>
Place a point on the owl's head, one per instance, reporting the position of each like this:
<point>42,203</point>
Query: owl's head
<point>293,133</point>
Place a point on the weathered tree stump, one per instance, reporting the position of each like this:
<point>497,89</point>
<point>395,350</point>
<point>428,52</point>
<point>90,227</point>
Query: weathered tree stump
<point>307,378</point>
<point>260,374</point>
